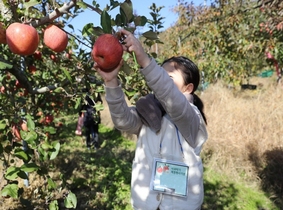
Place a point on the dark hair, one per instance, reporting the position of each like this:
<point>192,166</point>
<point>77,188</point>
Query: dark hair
<point>190,74</point>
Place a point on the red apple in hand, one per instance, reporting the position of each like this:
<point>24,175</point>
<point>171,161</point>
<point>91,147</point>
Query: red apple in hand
<point>107,52</point>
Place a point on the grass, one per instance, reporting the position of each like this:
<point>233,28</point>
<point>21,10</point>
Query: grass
<point>243,158</point>
<point>245,136</point>
<point>222,192</point>
<point>100,178</point>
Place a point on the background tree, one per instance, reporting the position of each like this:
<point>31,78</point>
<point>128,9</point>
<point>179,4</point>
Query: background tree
<point>227,39</point>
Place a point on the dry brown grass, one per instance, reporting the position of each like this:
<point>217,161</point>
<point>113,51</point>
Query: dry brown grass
<point>245,127</point>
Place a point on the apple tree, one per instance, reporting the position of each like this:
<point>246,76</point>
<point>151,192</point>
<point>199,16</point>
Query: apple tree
<point>228,39</point>
<point>43,84</point>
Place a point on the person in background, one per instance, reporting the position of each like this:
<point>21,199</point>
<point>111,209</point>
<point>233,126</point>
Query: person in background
<point>78,131</point>
<point>89,118</point>
<point>167,170</point>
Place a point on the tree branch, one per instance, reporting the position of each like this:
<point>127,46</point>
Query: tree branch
<point>99,11</point>
<point>58,12</point>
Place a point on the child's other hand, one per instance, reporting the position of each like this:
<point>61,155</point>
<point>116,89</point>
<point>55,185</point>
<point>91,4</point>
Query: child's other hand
<point>110,78</point>
<point>132,44</point>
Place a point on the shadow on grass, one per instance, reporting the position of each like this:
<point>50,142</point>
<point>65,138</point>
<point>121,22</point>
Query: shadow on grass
<point>100,178</point>
<point>269,168</point>
<point>218,195</point>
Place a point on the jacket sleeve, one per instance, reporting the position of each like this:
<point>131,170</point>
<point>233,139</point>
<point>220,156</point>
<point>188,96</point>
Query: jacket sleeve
<point>173,101</point>
<point>124,118</point>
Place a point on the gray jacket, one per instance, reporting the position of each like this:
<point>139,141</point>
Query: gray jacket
<point>182,117</point>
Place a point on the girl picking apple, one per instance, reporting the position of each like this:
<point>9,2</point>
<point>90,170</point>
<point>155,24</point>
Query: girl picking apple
<point>170,125</point>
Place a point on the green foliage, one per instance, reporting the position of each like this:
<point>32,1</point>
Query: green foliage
<point>53,205</point>
<point>226,40</point>
<point>10,190</point>
<point>71,201</point>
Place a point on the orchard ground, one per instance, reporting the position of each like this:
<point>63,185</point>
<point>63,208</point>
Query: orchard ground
<point>243,157</point>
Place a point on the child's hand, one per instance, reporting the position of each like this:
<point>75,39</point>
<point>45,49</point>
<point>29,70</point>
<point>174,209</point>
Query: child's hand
<point>110,78</point>
<point>132,44</point>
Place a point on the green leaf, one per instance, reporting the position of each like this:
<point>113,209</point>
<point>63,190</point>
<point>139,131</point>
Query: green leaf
<point>2,125</point>
<point>43,155</point>
<point>105,21</point>
<point>30,3</point>
<point>99,107</point>
<point>30,122</point>
<point>46,146</point>
<point>67,74</point>
<point>23,175</point>
<point>56,146</point>
<point>44,75</point>
<point>150,35</point>
<point>50,129</point>
<point>54,205</point>
<point>87,30</point>
<point>70,201</point>
<point>126,9</point>
<point>81,4</point>
<point>140,21</point>
<point>71,26</point>
<point>22,155</point>
<point>114,4</point>
<point>4,66</point>
<point>10,190</point>
<point>97,31</point>
<point>12,173</point>
<point>51,183</point>
<point>29,167</point>
<point>119,20</point>
<point>29,137</point>
<point>58,90</point>
<point>78,103</point>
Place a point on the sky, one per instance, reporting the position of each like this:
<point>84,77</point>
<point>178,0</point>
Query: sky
<point>141,7</point>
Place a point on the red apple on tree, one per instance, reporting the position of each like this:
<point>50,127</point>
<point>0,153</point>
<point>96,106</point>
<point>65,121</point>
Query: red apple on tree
<point>16,132</point>
<point>55,38</point>
<point>32,69</point>
<point>48,119</point>
<point>53,57</point>
<point>68,56</point>
<point>24,126</point>
<point>37,55</point>
<point>18,84</point>
<point>22,39</point>
<point>2,89</point>
<point>107,52</point>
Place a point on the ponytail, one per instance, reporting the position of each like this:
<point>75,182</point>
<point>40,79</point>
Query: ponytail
<point>198,103</point>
